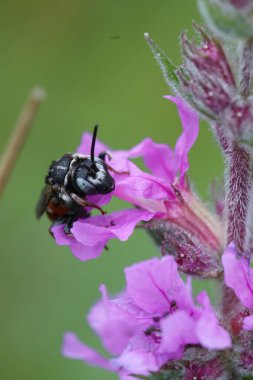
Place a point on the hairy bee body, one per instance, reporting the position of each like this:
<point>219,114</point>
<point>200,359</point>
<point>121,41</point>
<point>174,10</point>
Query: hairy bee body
<point>69,181</point>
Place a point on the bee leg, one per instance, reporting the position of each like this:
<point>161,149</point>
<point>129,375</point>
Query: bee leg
<point>89,204</point>
<point>116,172</point>
<point>83,213</point>
<point>102,155</point>
<point>69,224</point>
<point>85,203</point>
<point>67,227</point>
<point>71,218</point>
<point>105,154</point>
<point>58,222</point>
<point>67,221</point>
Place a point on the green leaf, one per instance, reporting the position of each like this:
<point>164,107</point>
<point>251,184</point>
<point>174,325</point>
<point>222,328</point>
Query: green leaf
<point>225,20</point>
<point>167,67</point>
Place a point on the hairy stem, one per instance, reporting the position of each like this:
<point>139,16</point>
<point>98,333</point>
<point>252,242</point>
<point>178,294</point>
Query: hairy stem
<point>19,136</point>
<point>237,197</point>
<point>246,68</point>
<point>221,137</point>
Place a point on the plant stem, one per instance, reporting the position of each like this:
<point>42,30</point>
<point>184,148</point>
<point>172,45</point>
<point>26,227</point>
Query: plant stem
<point>246,68</point>
<point>237,197</point>
<point>221,137</point>
<point>19,135</point>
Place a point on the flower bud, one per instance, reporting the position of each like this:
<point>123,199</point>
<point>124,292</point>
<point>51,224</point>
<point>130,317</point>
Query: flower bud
<point>208,56</point>
<point>190,233</point>
<point>191,256</point>
<point>206,74</point>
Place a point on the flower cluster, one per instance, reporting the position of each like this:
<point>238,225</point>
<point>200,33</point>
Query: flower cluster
<point>150,323</point>
<point>162,197</point>
<point>155,323</point>
<point>155,328</point>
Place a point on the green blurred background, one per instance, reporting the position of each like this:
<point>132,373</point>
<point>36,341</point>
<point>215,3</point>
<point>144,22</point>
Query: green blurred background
<point>92,59</point>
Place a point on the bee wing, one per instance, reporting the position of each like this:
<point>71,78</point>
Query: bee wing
<point>43,201</point>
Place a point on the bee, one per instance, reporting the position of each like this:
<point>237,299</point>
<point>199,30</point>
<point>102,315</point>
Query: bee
<point>69,180</point>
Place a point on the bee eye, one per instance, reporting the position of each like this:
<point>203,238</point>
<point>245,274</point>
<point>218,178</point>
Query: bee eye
<point>83,184</point>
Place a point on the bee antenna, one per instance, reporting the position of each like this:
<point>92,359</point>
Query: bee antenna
<point>92,149</point>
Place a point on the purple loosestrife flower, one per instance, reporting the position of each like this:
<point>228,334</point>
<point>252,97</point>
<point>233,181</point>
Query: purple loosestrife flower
<point>180,215</point>
<point>150,323</point>
<point>162,196</point>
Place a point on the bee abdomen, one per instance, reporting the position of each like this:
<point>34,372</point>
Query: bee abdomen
<point>56,210</point>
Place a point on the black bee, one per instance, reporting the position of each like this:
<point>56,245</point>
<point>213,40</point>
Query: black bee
<point>70,179</point>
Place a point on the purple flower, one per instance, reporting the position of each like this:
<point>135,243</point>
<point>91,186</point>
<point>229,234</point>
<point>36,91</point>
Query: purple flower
<point>167,167</point>
<point>239,277</point>
<point>163,198</point>
<point>90,235</point>
<point>165,190</point>
<point>159,194</point>
<point>150,323</point>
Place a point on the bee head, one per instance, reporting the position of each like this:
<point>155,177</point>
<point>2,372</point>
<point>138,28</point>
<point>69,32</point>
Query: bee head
<point>91,175</point>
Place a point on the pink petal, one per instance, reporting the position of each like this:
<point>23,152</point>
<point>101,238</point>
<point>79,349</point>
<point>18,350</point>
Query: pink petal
<point>178,329</point>
<point>114,325</point>
<point>142,189</point>
<point>204,301</point>
<point>210,334</point>
<point>127,306</point>
<point>238,276</point>
<point>84,253</point>
<point>120,225</point>
<point>100,199</point>
<point>139,357</point>
<point>80,251</point>
<point>159,158</point>
<point>142,288</point>
<point>248,323</point>
<point>142,192</point>
<point>90,235</point>
<point>190,124</point>
<point>153,284</point>
<point>137,362</point>
<point>168,280</point>
<point>73,348</point>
